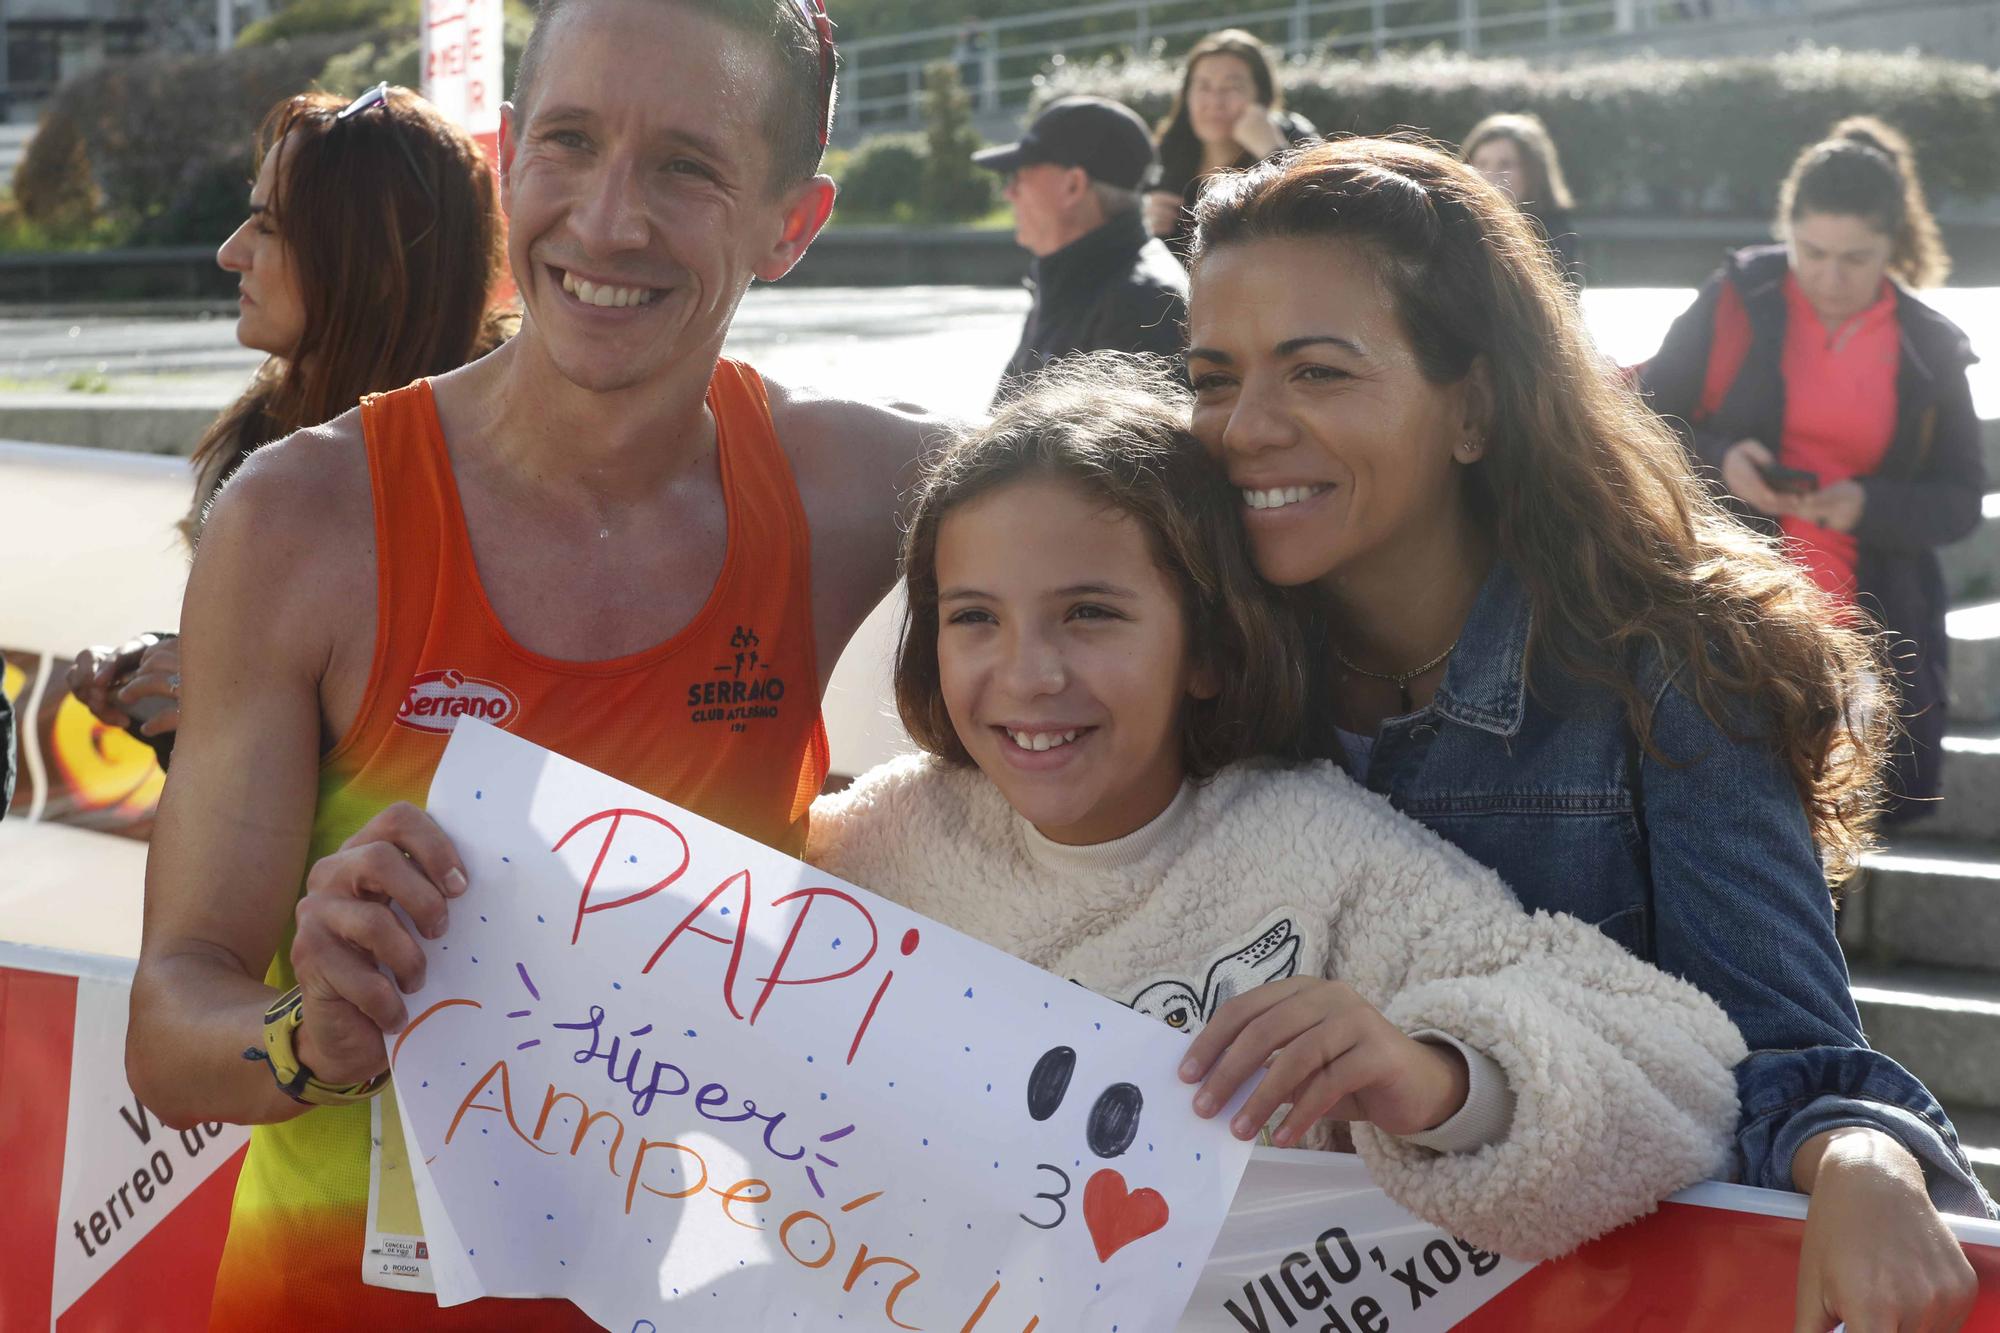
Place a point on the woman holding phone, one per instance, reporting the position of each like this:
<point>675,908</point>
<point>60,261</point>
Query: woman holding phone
<point>1831,406</point>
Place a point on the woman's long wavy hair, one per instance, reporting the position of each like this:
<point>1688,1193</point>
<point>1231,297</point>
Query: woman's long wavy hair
<point>1180,151</point>
<point>1582,489</point>
<point>394,272</point>
<point>1866,169</point>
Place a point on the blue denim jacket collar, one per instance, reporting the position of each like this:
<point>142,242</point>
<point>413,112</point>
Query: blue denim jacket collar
<point>1486,685</point>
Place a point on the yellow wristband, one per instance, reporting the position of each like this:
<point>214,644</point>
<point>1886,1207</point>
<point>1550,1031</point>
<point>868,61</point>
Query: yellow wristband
<point>281,1025</point>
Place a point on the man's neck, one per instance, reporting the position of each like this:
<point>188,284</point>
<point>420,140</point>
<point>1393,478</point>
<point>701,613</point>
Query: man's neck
<point>533,422</point>
<point>1074,228</point>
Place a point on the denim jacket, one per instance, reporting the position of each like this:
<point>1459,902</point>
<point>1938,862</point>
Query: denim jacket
<point>1704,866</point>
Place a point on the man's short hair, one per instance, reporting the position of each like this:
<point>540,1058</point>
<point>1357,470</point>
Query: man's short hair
<point>1114,201</point>
<point>792,111</point>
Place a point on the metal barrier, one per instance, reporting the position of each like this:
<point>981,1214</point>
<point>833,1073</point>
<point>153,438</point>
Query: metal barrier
<point>1002,60</point>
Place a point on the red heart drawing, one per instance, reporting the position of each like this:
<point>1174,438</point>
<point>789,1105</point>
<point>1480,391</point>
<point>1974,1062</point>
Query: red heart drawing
<point>1117,1217</point>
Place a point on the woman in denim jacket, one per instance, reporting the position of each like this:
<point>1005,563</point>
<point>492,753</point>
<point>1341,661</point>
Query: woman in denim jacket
<point>1544,639</point>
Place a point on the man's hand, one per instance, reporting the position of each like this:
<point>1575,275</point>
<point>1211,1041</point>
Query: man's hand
<point>1876,1254</point>
<point>1330,1053</point>
<point>348,931</point>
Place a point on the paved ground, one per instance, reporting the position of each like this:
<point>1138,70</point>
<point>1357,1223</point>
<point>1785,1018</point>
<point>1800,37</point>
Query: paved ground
<point>943,346</point>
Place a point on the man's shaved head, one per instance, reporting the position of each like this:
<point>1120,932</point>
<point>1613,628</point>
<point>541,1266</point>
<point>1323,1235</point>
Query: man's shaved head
<point>793,104</point>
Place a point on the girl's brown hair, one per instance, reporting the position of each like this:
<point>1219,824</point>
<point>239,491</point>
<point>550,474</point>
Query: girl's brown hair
<point>1116,426</point>
<point>1547,189</point>
<point>1867,170</point>
<point>1180,151</point>
<point>1583,490</point>
<point>393,231</point>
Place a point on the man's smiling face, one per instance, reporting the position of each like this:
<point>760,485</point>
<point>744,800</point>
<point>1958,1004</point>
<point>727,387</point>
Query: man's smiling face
<point>638,184</point>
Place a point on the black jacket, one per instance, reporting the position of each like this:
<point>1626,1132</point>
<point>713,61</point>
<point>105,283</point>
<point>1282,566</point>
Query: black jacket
<point>1927,492</point>
<point>1113,290</point>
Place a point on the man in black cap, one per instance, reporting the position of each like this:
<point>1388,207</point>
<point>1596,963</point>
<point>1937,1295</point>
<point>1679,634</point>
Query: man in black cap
<point>1101,282</point>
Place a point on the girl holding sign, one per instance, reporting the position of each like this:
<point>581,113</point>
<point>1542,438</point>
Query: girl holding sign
<point>1093,670</point>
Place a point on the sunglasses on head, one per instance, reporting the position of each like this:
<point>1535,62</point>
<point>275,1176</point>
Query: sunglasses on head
<point>368,101</point>
<point>814,12</point>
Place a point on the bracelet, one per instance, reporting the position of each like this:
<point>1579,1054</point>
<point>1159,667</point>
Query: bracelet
<point>281,1025</point>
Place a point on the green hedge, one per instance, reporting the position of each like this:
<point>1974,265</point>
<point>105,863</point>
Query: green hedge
<point>128,155</point>
<point>1651,136</point>
<point>158,164</point>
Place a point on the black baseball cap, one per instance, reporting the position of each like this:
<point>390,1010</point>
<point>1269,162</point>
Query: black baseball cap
<point>1105,138</point>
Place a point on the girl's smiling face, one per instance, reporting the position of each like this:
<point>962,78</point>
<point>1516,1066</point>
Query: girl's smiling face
<point>1063,657</point>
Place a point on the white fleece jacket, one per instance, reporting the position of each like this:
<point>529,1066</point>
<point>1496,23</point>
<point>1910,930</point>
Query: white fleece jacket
<point>1621,1074</point>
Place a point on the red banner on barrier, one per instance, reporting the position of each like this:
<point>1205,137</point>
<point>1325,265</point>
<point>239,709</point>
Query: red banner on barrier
<point>113,1212</point>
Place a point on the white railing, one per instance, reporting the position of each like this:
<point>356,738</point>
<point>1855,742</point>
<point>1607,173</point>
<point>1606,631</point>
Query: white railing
<point>1003,59</point>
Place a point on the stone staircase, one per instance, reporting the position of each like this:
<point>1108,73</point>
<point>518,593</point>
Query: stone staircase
<point>1923,931</point>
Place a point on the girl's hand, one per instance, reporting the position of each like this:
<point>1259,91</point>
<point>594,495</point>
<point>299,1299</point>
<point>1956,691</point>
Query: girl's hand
<point>1837,506</point>
<point>1257,130</point>
<point>1330,1053</point>
<point>1876,1253</point>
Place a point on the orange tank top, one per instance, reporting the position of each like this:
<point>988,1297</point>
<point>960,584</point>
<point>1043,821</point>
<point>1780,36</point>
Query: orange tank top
<point>723,718</point>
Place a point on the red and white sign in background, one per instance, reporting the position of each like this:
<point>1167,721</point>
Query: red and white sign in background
<point>463,66</point>
<point>110,1213</point>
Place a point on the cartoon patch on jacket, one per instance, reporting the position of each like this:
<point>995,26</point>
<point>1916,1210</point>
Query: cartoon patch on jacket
<point>1272,956</point>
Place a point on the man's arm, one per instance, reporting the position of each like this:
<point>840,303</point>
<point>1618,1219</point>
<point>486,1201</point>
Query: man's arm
<point>279,607</point>
<point>857,465</point>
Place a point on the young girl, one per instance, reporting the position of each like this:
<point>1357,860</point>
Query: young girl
<point>1093,668</point>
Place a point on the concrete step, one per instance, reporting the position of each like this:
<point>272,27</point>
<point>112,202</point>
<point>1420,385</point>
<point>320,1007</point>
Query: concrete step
<point>1941,1024</point>
<point>1975,663</point>
<point>1968,809</point>
<point>1927,903</point>
<point>1972,567</point>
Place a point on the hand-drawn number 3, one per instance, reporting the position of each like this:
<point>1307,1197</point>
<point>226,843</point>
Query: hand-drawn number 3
<point>1056,1198</point>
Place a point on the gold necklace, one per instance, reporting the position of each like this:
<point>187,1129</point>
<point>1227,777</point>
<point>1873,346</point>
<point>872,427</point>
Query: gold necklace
<point>1400,679</point>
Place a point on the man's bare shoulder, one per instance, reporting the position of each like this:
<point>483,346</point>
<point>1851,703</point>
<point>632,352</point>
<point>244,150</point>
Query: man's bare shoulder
<point>309,486</point>
<point>846,445</point>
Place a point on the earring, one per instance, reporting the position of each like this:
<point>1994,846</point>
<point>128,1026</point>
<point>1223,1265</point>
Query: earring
<point>1471,447</point>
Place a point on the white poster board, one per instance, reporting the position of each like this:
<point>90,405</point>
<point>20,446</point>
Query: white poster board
<point>686,1081</point>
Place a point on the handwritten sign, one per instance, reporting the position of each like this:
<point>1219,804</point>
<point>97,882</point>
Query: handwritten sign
<point>686,1081</point>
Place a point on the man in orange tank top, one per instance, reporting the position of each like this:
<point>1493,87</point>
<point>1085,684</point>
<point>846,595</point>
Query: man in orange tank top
<point>601,536</point>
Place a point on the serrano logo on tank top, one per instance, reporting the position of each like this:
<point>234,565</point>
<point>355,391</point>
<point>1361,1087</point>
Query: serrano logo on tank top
<point>740,689</point>
<point>438,699</point>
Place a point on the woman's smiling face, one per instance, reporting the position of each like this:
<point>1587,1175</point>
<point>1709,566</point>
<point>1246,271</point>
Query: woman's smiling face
<point>1308,389</point>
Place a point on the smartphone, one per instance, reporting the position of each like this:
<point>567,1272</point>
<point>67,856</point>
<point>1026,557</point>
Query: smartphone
<point>1788,480</point>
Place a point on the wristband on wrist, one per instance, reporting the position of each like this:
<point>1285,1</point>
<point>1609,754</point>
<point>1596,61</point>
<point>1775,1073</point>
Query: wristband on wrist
<point>281,1026</point>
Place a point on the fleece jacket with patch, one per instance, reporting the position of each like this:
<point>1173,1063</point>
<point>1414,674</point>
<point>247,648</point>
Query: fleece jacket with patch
<point>1620,1075</point>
